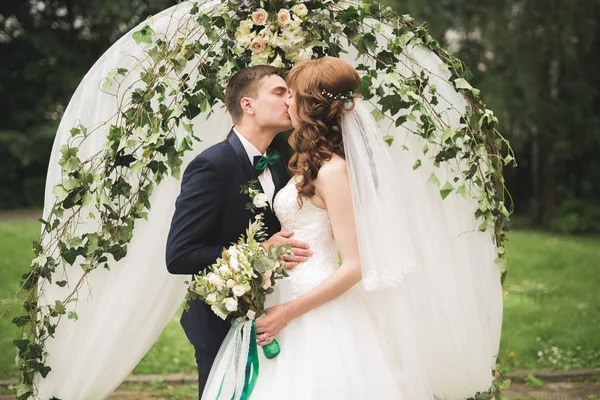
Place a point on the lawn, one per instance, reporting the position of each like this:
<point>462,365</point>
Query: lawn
<point>552,306</point>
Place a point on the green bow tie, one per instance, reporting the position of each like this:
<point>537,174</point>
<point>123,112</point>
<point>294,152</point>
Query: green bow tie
<point>262,162</point>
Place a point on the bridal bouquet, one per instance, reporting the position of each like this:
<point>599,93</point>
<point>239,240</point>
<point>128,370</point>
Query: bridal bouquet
<point>236,285</point>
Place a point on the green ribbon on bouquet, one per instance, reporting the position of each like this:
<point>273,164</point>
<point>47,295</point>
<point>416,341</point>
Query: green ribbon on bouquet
<point>251,364</point>
<point>251,368</point>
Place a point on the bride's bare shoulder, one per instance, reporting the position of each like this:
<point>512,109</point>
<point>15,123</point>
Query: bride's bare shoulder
<point>332,169</point>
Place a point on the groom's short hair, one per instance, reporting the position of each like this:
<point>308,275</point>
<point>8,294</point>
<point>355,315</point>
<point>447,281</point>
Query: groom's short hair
<point>245,84</point>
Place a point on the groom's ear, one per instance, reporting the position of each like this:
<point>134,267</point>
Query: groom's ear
<point>247,105</point>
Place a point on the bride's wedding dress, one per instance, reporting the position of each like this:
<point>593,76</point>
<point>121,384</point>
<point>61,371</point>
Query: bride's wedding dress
<point>334,351</point>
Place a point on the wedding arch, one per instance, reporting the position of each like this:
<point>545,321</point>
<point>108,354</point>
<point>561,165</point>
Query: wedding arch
<point>154,100</point>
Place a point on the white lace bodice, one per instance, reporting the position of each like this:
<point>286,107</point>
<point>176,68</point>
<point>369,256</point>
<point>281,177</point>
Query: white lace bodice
<point>311,225</point>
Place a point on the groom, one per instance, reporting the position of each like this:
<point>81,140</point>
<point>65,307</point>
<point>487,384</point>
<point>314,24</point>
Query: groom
<point>211,212</point>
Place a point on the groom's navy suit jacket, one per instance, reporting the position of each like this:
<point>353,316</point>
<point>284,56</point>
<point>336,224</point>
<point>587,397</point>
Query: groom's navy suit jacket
<point>210,214</point>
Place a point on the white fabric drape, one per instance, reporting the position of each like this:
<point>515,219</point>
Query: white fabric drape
<point>122,311</point>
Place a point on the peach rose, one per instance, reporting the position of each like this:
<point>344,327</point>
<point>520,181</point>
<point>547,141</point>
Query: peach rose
<point>283,17</point>
<point>259,17</point>
<point>258,45</point>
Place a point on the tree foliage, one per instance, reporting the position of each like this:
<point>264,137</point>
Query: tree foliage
<point>537,62</point>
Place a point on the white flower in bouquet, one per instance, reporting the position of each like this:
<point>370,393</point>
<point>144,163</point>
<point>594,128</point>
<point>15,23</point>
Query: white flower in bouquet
<point>278,62</point>
<point>260,16</point>
<point>251,315</point>
<point>224,270</point>
<point>230,283</point>
<point>231,304</point>
<point>260,200</point>
<point>283,16</point>
<point>211,298</point>
<point>245,29</point>
<point>238,290</point>
<point>215,280</point>
<point>219,311</point>
<point>300,10</point>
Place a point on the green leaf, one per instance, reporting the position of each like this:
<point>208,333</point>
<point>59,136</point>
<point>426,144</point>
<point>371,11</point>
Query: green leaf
<point>416,165</point>
<point>446,190</point>
<point>378,115</point>
<point>73,315</point>
<point>61,283</point>
<point>21,344</point>
<point>59,307</point>
<point>21,321</point>
<point>433,179</point>
<point>144,35</point>
<point>462,190</point>
<point>389,139</point>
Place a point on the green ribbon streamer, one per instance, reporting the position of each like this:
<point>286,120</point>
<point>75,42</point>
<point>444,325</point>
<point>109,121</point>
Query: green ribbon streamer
<point>251,363</point>
<point>251,366</point>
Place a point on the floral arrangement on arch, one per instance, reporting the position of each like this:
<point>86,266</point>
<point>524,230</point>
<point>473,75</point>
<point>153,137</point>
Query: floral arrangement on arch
<point>275,39</point>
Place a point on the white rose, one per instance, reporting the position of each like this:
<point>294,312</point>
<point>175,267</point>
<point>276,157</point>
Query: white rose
<point>259,17</point>
<point>231,304</point>
<point>211,298</point>
<point>219,311</point>
<point>300,10</point>
<point>305,54</point>
<point>258,45</point>
<point>239,290</point>
<point>230,283</point>
<point>251,315</point>
<point>283,16</point>
<point>260,200</point>
<point>278,62</point>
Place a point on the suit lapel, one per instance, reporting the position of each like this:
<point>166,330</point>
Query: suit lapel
<point>249,170</point>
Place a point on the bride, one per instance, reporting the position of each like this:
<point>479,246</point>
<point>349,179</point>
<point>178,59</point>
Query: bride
<point>358,320</point>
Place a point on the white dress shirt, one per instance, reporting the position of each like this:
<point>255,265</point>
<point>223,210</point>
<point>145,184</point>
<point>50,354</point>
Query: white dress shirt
<point>265,178</point>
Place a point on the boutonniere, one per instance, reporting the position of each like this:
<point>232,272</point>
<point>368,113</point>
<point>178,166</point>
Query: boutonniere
<point>258,200</point>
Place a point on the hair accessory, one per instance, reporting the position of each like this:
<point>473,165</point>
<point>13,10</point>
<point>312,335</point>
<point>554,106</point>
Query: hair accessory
<point>348,97</point>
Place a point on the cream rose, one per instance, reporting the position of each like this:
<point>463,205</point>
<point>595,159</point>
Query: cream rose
<point>211,298</point>
<point>300,10</point>
<point>260,16</point>
<point>258,45</point>
<point>283,16</point>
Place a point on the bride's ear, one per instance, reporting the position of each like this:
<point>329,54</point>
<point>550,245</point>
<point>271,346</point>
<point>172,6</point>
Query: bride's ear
<point>247,105</point>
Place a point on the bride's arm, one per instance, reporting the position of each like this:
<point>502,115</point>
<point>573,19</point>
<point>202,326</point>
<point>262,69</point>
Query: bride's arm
<point>333,187</point>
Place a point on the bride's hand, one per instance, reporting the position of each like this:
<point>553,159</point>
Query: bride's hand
<point>268,326</point>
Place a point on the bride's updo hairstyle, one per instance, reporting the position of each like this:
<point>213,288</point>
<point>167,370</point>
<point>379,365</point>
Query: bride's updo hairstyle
<point>323,90</point>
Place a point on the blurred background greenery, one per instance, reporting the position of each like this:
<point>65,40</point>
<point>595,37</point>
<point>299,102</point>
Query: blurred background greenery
<point>536,63</point>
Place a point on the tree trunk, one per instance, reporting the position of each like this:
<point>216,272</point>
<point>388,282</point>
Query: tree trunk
<point>549,192</point>
<point>536,198</point>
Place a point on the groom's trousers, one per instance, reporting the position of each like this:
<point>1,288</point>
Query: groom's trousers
<point>204,360</point>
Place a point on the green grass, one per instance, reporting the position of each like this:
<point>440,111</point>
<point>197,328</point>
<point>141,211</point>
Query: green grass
<point>552,310</point>
<point>553,305</point>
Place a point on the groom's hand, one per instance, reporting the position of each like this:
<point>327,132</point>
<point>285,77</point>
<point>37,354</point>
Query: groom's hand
<point>300,249</point>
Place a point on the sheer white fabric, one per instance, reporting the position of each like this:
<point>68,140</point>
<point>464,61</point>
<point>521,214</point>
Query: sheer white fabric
<point>451,298</point>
